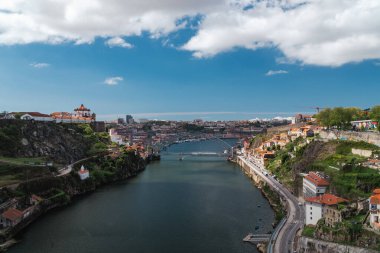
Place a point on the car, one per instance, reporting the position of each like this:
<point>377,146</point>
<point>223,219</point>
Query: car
<point>300,204</point>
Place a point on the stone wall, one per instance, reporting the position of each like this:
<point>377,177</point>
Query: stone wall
<point>309,245</point>
<point>362,152</point>
<point>370,137</point>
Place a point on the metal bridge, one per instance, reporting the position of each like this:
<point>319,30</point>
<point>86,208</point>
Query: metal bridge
<point>196,154</point>
<point>223,142</point>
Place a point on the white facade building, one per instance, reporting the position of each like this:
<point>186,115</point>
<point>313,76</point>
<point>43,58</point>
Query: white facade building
<point>313,212</point>
<point>374,209</point>
<point>83,173</point>
<point>314,184</point>
<point>116,137</point>
<point>315,207</point>
<point>36,116</point>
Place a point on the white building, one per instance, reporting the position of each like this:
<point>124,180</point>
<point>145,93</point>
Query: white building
<point>36,116</point>
<point>314,184</point>
<point>83,173</point>
<point>374,209</point>
<point>313,212</point>
<point>116,137</point>
<point>315,207</point>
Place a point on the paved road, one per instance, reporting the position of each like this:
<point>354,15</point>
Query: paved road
<point>295,219</point>
<point>68,168</point>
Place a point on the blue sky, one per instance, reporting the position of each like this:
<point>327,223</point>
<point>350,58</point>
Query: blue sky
<point>161,78</point>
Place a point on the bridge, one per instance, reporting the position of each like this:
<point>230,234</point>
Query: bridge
<point>257,238</point>
<point>196,154</point>
<point>222,154</point>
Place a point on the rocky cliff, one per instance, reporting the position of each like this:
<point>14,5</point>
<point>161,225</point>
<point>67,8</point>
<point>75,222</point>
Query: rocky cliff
<point>61,143</point>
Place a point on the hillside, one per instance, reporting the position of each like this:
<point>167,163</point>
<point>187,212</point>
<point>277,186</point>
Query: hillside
<point>62,143</point>
<point>35,149</point>
<point>349,178</point>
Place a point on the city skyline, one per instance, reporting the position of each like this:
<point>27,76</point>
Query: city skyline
<point>192,63</point>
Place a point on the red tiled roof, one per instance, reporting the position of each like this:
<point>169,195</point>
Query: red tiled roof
<point>376,191</point>
<point>375,199</point>
<point>36,114</point>
<point>12,214</point>
<point>317,180</point>
<point>326,199</point>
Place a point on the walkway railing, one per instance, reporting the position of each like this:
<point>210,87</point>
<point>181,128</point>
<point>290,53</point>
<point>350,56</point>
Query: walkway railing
<point>274,235</point>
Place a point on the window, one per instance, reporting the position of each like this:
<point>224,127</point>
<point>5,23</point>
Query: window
<point>311,208</point>
<point>311,213</point>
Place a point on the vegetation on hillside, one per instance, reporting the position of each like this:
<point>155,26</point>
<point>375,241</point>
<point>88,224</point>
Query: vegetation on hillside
<point>349,178</point>
<point>36,149</point>
<point>98,142</point>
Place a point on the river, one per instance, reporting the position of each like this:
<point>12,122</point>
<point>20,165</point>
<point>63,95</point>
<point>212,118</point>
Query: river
<point>200,204</point>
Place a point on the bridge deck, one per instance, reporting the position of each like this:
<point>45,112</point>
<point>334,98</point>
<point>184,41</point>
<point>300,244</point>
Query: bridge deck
<point>196,154</point>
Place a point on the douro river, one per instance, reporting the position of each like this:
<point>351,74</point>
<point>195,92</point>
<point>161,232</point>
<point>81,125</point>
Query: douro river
<point>199,204</point>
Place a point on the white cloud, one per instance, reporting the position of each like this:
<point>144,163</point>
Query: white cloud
<point>276,72</point>
<point>118,42</point>
<point>317,32</point>
<point>113,80</point>
<point>39,65</point>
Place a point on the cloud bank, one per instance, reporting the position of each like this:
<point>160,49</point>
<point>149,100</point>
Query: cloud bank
<point>315,32</point>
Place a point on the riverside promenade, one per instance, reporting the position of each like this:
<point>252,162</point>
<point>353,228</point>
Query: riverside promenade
<point>283,240</point>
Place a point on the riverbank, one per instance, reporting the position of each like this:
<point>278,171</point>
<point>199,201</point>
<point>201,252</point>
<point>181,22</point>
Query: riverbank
<point>58,192</point>
<point>270,195</point>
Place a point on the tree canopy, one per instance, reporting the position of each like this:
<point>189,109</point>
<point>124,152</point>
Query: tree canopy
<point>341,117</point>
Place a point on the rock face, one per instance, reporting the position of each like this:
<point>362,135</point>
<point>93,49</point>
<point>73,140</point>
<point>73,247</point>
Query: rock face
<point>60,143</point>
<point>316,246</point>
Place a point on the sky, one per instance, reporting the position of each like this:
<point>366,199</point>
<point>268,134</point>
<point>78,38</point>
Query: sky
<point>209,59</point>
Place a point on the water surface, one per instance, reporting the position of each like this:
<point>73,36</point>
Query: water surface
<point>200,204</point>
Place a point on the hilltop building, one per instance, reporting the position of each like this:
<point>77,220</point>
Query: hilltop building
<point>314,184</point>
<point>364,124</point>
<point>36,116</point>
<point>80,115</point>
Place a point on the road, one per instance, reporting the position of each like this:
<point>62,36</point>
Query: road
<point>68,168</point>
<point>295,218</point>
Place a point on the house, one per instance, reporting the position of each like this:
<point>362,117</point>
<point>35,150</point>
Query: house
<point>314,184</point>
<point>83,173</point>
<point>374,209</point>
<point>334,213</point>
<point>35,200</point>
<point>11,217</point>
<point>5,115</point>
<point>364,124</point>
<point>36,116</point>
<point>299,118</point>
<point>323,206</point>
<point>373,164</point>
<point>115,137</point>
